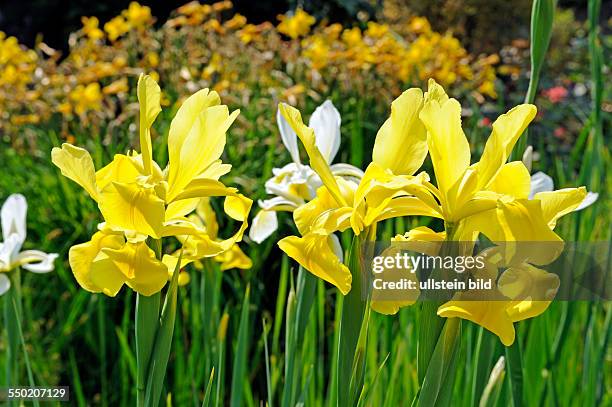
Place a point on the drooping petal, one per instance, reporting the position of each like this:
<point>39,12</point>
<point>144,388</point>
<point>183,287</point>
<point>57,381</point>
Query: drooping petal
<point>137,263</point>
<point>36,261</point>
<point>5,283</point>
<point>556,204</point>
<point>317,161</point>
<point>206,212</point>
<point>264,224</point>
<point>288,137</point>
<point>181,208</point>
<point>76,163</point>
<point>314,253</point>
<point>491,315</point>
<point>448,147</point>
<point>13,215</point>
<point>133,207</point>
<point>540,182</point>
<point>149,95</point>
<point>401,142</point>
<point>325,121</point>
<point>590,199</point>
<point>234,258</point>
<point>81,257</point>
<point>506,131</point>
<point>523,223</point>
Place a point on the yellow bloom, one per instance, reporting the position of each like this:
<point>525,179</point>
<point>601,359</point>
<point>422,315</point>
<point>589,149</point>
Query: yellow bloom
<point>139,200</point>
<point>116,27</point>
<point>297,24</point>
<point>138,16</point>
<point>86,98</point>
<point>90,28</point>
<point>388,189</point>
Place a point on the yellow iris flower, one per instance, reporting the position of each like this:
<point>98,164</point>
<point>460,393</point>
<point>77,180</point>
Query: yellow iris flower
<point>138,199</point>
<point>492,197</point>
<point>388,189</point>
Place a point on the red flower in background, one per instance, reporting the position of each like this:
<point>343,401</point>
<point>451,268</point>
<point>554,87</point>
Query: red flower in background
<point>556,94</point>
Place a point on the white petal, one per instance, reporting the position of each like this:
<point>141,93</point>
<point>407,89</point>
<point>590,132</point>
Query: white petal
<point>36,261</point>
<point>13,216</point>
<point>540,182</point>
<point>346,170</point>
<point>589,200</point>
<point>278,203</point>
<point>288,136</point>
<point>325,121</point>
<point>336,247</point>
<point>5,283</point>
<point>264,224</point>
<point>9,251</point>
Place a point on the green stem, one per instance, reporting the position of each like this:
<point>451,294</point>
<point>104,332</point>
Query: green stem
<point>147,321</point>
<point>514,365</point>
<point>12,317</point>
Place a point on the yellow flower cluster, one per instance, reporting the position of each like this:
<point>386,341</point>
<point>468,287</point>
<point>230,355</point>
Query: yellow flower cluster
<point>218,49</point>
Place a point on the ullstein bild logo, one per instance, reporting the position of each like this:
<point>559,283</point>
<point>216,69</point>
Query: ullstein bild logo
<point>534,271</point>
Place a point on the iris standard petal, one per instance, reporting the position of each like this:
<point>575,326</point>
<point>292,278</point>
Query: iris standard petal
<point>401,142</point>
<point>317,161</point>
<point>76,163</point>
<point>288,137</point>
<point>506,131</point>
<point>325,121</point>
<point>448,147</point>
<point>512,179</point>
<point>149,99</point>
<point>13,215</point>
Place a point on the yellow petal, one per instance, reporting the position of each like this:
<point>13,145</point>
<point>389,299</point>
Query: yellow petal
<point>490,315</point>
<point>106,275</point>
<point>234,258</point>
<point>523,224</point>
<point>512,179</point>
<point>133,207</point>
<point>76,164</point>
<point>82,255</point>
<point>143,272</point>
<point>202,187</point>
<point>196,138</point>
<point>560,202</point>
<point>206,212</point>
<point>448,146</point>
<point>121,169</point>
<point>306,215</point>
<point>148,98</point>
<point>506,131</point>
<point>531,289</point>
<point>317,161</point>
<point>314,253</point>
<point>435,92</point>
<point>401,142</point>
<point>179,209</point>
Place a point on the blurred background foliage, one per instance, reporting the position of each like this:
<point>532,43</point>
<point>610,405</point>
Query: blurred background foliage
<point>76,82</point>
